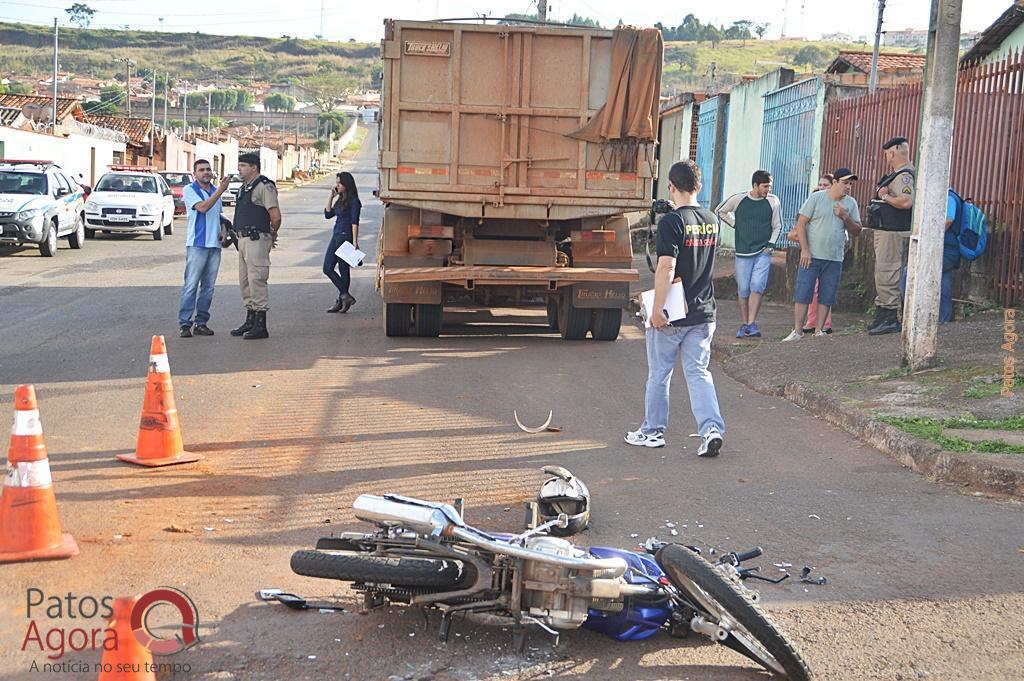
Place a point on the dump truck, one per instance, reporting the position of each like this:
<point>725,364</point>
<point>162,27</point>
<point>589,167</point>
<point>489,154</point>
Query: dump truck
<point>509,156</point>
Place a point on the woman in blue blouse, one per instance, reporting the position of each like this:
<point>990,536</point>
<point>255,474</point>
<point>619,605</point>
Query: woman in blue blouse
<point>343,207</point>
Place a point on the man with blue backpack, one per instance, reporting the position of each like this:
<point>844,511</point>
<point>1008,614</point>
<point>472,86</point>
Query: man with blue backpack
<point>965,237</point>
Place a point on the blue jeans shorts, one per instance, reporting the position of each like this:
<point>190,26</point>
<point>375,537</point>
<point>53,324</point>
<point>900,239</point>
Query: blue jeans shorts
<point>752,273</point>
<point>827,274</point>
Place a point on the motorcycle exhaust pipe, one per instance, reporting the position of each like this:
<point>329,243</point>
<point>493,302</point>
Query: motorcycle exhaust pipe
<point>428,520</point>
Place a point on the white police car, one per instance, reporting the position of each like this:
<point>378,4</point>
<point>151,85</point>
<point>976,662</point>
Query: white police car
<point>39,203</point>
<point>130,199</point>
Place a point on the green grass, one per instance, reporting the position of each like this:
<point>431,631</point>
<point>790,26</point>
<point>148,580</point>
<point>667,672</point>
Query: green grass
<point>978,390</point>
<point>895,372</point>
<point>933,430</point>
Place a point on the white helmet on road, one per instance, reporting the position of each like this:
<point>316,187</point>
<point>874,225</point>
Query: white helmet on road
<point>564,493</point>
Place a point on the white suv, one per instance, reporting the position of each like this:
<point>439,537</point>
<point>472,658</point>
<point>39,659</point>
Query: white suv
<point>39,203</point>
<point>130,199</point>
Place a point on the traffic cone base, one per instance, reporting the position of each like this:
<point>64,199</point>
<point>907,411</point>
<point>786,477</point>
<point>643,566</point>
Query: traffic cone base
<point>159,442</point>
<point>129,660</point>
<point>184,457</point>
<point>29,524</point>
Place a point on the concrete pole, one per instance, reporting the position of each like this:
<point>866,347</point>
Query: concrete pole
<point>921,308</point>
<point>873,79</point>
<point>152,119</point>
<point>542,10</point>
<point>128,84</point>
<point>54,112</point>
<point>167,78</point>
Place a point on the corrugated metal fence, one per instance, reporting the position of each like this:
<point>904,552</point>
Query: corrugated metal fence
<point>787,147</point>
<point>705,157</point>
<point>988,156</point>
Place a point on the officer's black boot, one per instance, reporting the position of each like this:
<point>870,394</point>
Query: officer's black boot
<point>880,316</point>
<point>259,327</point>
<point>337,305</point>
<point>347,301</point>
<point>250,319</point>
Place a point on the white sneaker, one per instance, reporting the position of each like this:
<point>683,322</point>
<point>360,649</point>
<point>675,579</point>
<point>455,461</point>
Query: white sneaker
<point>639,439</point>
<point>820,334</point>
<point>710,444</point>
<point>793,336</point>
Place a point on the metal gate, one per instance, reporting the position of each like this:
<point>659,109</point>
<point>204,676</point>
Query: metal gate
<point>706,124</point>
<point>788,145</point>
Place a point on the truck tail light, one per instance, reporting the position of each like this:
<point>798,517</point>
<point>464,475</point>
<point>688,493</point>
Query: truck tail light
<point>431,232</point>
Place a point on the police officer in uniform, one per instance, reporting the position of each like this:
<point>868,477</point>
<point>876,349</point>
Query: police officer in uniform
<point>895,201</point>
<point>257,220</point>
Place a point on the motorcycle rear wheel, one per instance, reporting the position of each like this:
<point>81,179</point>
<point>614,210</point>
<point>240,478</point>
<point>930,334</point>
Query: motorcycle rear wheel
<point>353,566</point>
<point>752,633</point>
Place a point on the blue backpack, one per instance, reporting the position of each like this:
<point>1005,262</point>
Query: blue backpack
<point>970,227</point>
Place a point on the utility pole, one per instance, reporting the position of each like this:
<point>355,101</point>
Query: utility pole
<point>542,10</point>
<point>152,119</point>
<point>321,36</point>
<point>128,64</point>
<point>873,79</point>
<point>167,79</point>
<point>921,308</point>
<point>184,108</point>
<point>53,114</point>
<point>209,102</point>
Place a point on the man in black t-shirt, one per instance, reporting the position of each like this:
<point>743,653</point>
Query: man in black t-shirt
<point>686,243</point>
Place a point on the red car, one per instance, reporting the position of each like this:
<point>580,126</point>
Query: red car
<point>177,182</point>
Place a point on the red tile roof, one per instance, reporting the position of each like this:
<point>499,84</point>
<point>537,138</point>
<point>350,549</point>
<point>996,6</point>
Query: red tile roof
<point>65,105</point>
<point>861,61</point>
<point>136,129</point>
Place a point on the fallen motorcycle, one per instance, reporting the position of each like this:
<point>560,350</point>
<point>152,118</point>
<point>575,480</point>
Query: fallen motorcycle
<point>424,554</point>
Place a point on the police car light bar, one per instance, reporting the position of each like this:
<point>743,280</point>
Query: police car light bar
<point>24,162</point>
<point>136,169</point>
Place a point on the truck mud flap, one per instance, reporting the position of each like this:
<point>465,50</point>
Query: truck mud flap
<point>427,292</point>
<point>600,295</point>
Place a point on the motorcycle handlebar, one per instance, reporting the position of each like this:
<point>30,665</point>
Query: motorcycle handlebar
<point>748,555</point>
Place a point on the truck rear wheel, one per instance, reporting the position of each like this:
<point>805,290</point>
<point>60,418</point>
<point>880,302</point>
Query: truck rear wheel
<point>573,322</point>
<point>427,320</point>
<point>397,319</point>
<point>606,324</point>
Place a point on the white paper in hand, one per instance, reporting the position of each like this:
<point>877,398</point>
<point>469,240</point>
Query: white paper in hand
<point>350,254</point>
<point>675,304</point>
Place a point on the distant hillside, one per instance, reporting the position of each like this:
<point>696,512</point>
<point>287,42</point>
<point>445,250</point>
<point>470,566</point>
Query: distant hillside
<point>93,52</point>
<point>28,49</point>
<point>689,64</point>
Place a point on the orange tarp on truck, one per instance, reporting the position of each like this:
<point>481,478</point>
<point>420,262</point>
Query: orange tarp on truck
<point>631,111</point>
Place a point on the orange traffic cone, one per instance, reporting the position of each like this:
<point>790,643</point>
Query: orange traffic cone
<point>159,442</point>
<point>128,660</point>
<point>29,525</point>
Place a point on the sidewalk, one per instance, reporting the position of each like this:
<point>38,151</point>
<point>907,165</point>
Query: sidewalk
<point>949,423</point>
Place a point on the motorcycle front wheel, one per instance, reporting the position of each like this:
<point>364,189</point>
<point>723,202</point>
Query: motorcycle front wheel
<point>751,632</point>
<point>353,566</point>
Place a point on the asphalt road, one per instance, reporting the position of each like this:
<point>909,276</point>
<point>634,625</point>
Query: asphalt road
<point>923,582</point>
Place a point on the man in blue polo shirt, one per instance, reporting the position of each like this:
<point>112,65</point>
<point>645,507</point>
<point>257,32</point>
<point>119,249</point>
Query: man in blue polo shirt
<point>202,250</point>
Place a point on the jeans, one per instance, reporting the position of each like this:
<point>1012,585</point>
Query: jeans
<point>945,295</point>
<point>826,273</point>
<point>752,273</point>
<point>663,347</point>
<point>201,265</point>
<point>336,269</point>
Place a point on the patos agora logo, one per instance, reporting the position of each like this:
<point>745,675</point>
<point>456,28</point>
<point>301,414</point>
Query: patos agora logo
<point>96,622</point>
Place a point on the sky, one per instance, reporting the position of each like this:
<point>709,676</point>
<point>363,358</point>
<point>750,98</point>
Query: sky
<point>363,20</point>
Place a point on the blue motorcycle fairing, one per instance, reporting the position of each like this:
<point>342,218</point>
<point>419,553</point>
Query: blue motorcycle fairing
<point>638,619</point>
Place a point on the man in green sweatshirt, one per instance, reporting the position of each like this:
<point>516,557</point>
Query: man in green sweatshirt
<point>757,218</point>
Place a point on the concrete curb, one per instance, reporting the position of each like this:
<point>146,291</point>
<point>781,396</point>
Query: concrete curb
<point>921,457</point>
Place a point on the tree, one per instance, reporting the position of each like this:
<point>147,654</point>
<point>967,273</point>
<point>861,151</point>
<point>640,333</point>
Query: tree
<point>760,30</point>
<point>80,14</point>
<point>332,123</point>
<point>327,88</point>
<point>279,102</point>
<point>111,97</point>
<point>712,34</point>
<point>740,30</point>
<point>323,146</point>
<point>811,56</point>
<point>15,88</point>
<point>243,99</point>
